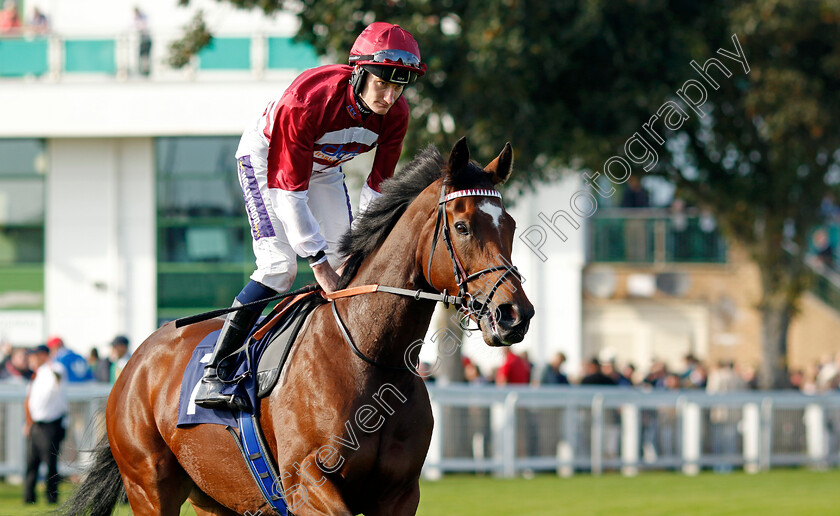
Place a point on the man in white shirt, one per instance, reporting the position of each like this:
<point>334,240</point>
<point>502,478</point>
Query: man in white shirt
<point>45,408</point>
<point>724,419</point>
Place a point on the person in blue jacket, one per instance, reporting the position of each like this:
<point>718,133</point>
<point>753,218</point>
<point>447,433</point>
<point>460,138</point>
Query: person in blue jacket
<point>77,367</point>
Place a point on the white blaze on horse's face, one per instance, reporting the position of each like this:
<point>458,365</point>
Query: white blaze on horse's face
<point>495,211</point>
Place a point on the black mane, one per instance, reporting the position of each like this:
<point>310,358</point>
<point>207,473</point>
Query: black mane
<point>371,228</point>
<point>398,192</point>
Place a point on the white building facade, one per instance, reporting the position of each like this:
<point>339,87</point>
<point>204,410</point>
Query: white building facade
<point>99,164</point>
<point>120,208</point>
<point>118,192</point>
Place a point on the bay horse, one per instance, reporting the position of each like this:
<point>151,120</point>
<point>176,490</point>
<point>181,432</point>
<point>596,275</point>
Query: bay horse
<point>348,427</point>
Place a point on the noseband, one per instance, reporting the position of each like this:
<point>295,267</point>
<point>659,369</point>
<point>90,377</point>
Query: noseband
<point>468,301</point>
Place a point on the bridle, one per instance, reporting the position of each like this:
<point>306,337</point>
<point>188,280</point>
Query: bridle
<point>464,300</point>
<point>468,301</point>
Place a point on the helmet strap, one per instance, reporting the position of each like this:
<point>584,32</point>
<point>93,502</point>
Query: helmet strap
<point>357,81</point>
<point>363,108</point>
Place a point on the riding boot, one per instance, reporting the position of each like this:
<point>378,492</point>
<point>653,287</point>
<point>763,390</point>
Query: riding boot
<point>234,332</point>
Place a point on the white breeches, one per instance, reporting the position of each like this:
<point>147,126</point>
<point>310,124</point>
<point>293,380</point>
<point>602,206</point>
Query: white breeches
<point>275,259</point>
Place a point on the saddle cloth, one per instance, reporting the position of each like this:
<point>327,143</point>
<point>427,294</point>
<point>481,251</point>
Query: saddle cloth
<point>269,353</point>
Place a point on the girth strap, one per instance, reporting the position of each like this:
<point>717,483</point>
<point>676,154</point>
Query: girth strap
<point>257,456</point>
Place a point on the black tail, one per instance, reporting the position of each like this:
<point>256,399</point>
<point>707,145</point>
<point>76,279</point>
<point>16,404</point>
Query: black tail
<point>101,488</point>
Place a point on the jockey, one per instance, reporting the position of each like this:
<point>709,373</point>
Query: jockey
<point>289,165</point>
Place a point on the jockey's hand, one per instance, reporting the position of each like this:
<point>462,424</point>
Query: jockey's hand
<point>325,276</point>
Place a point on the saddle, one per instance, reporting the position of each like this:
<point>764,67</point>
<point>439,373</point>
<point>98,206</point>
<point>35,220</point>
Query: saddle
<point>251,372</point>
<point>271,342</point>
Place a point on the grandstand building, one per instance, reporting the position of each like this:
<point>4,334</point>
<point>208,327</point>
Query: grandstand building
<point>120,209</point>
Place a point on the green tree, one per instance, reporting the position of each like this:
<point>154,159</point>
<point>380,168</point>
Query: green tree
<point>569,82</point>
<point>768,151</point>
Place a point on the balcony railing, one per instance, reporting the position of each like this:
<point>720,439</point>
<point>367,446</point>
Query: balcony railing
<point>58,57</point>
<point>825,280</point>
<point>654,236</point>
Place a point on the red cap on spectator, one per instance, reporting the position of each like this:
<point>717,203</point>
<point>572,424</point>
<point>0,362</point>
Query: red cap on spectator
<point>54,342</point>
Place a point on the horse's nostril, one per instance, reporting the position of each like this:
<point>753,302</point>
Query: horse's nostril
<point>509,315</point>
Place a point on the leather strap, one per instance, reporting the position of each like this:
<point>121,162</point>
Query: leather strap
<point>416,294</point>
<point>353,291</point>
<point>278,314</point>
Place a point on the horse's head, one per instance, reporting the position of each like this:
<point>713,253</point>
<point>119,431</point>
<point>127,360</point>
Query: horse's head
<point>471,243</point>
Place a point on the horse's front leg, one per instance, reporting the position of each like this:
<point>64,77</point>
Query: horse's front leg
<point>399,503</point>
<point>310,493</point>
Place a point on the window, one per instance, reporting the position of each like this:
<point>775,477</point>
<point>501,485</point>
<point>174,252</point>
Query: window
<point>23,164</point>
<point>204,241</point>
<point>654,236</point>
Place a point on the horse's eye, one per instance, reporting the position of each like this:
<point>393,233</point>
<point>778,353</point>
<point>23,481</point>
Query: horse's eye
<point>462,228</point>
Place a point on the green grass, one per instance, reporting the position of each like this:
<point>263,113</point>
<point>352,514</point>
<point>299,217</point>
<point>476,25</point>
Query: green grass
<point>780,492</point>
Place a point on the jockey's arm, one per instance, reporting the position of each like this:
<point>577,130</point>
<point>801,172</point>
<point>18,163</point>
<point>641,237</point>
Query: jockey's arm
<point>304,235</point>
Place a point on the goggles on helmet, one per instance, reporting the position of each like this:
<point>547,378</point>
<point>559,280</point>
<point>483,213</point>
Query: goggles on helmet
<point>392,74</point>
<point>390,56</point>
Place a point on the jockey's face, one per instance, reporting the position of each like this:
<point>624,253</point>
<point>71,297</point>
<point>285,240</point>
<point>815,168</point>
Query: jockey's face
<point>380,95</point>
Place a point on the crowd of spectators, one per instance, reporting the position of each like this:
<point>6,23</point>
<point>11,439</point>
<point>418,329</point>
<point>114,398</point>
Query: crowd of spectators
<point>721,376</point>
<point>46,370</point>
<point>12,24</point>
<point>821,376</point>
<point>14,361</point>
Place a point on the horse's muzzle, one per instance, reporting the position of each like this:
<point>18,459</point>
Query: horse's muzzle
<point>506,324</point>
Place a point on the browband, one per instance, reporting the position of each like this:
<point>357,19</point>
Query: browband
<point>471,192</point>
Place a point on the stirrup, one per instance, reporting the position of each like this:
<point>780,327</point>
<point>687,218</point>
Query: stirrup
<point>209,395</point>
<point>225,401</point>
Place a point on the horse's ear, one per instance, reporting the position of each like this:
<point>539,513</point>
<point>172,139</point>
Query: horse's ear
<point>459,158</point>
<point>500,168</point>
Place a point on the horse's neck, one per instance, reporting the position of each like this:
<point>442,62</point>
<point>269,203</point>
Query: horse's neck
<point>386,324</point>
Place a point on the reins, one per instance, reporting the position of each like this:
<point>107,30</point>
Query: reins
<point>442,297</point>
<point>357,351</point>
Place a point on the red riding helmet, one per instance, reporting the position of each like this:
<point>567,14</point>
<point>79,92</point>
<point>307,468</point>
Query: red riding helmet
<point>389,52</point>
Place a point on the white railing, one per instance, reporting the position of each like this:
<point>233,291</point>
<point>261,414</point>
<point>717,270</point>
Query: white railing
<point>86,424</point>
<point>509,431</point>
